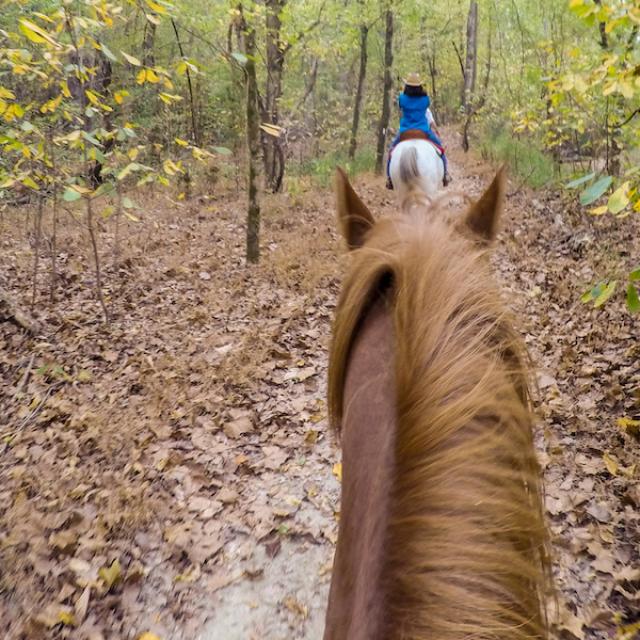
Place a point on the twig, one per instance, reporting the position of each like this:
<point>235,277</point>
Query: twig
<point>35,412</point>
<point>25,377</point>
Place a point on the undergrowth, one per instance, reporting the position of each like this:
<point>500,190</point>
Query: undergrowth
<point>525,160</point>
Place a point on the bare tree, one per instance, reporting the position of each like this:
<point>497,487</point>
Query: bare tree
<point>386,94</point>
<point>247,37</point>
<point>362,72</point>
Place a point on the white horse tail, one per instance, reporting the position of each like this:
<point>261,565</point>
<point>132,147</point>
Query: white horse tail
<point>409,172</point>
<point>416,168</point>
<point>414,193</point>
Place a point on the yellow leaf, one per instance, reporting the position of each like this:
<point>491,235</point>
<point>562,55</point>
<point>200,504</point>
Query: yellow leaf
<point>147,635</point>
<point>67,618</point>
<point>29,182</point>
<point>611,463</point>
<point>93,98</point>
<point>65,89</point>
<point>131,59</point>
<point>629,426</point>
<point>119,96</point>
<point>111,574</point>
<point>272,129</point>
<point>152,76</point>
<point>181,142</point>
<point>337,471</point>
<point>141,76</point>
<point>158,8</point>
<point>626,89</point>
<point>36,34</point>
<point>598,211</point>
<point>5,93</point>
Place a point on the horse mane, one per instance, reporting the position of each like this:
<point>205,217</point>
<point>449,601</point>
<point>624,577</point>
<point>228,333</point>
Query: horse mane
<point>466,543</point>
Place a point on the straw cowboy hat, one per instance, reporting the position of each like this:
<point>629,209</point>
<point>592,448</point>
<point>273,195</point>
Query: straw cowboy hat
<point>413,80</point>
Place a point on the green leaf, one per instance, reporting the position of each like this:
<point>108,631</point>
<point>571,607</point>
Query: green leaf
<point>619,199</point>
<point>587,296</point>
<point>127,203</point>
<point>70,195</point>
<point>240,58</point>
<point>633,301</point>
<point>89,138</point>
<point>107,52</point>
<point>635,274</point>
<point>578,181</point>
<point>223,151</point>
<point>592,193</point>
<point>606,293</point>
<point>131,59</point>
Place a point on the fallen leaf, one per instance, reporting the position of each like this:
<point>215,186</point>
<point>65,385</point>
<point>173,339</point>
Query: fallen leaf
<point>611,463</point>
<point>112,574</point>
<point>236,428</point>
<point>82,605</point>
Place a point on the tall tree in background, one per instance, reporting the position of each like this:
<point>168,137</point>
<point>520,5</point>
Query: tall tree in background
<point>247,37</point>
<point>386,93</point>
<point>362,72</point>
<point>470,65</point>
<point>276,50</point>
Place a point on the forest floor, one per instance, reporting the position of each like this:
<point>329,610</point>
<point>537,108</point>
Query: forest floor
<point>173,472</point>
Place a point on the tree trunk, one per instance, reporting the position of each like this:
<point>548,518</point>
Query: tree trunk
<point>248,39</point>
<point>471,57</point>
<point>470,105</point>
<point>273,154</point>
<point>364,32</point>
<point>148,58</point>
<point>386,97</point>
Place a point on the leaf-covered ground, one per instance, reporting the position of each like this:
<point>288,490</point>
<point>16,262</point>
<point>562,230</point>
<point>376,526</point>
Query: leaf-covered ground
<point>173,472</point>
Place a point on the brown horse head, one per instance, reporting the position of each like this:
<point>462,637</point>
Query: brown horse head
<point>442,532</point>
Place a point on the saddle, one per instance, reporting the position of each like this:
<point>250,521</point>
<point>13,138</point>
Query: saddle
<point>413,134</point>
<point>418,134</point>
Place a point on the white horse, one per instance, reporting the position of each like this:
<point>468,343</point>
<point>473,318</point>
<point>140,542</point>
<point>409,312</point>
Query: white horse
<point>416,161</point>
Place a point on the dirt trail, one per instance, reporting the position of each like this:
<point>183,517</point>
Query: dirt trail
<point>188,442</point>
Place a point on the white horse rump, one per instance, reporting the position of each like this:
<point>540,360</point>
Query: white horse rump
<point>416,162</point>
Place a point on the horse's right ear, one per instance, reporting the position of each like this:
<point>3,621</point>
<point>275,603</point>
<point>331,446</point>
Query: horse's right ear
<point>353,216</point>
<point>483,217</point>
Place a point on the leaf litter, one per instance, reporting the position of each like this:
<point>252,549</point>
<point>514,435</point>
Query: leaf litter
<point>172,475</point>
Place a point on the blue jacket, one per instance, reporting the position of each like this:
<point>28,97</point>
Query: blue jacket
<point>414,112</point>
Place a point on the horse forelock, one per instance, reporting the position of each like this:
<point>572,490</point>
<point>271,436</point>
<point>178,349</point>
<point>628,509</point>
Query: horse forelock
<point>466,536</point>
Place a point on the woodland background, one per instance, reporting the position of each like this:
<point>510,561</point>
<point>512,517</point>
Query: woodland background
<point>169,267</point>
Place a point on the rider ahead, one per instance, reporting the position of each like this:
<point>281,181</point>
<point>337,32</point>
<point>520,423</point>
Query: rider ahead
<point>414,105</point>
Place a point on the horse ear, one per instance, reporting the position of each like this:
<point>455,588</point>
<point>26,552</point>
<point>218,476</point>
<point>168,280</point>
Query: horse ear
<point>483,216</point>
<point>353,216</point>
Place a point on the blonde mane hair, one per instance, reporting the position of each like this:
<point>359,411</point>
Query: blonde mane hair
<point>466,540</point>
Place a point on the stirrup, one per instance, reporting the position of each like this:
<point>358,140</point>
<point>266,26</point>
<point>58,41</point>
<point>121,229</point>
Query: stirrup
<point>389,184</point>
<point>446,179</point>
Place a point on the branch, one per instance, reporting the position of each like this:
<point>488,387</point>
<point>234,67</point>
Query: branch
<point>455,47</point>
<point>194,130</point>
<point>619,125</point>
<point>305,32</point>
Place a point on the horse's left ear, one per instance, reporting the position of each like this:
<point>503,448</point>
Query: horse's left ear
<point>483,216</point>
<point>354,217</point>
